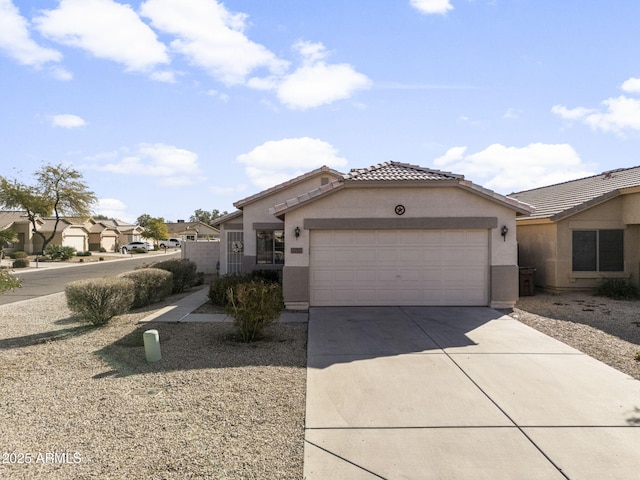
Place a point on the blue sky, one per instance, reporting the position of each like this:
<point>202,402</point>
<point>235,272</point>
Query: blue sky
<point>168,106</point>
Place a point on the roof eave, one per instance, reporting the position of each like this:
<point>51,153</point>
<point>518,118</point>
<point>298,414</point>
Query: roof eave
<point>519,207</point>
<point>584,206</point>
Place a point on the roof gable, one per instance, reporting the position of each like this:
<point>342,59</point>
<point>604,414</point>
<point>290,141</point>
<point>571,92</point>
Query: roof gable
<point>563,199</point>
<point>277,188</point>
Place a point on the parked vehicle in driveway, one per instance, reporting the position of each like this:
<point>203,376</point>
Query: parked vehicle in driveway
<point>131,246</point>
<point>171,243</point>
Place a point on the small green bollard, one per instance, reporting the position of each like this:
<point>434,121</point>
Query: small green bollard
<point>151,345</point>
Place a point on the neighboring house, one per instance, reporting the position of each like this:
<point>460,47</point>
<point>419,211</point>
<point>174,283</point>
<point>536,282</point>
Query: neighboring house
<point>193,231</point>
<point>18,222</point>
<point>102,236</point>
<point>582,231</point>
<point>390,234</point>
<point>126,232</point>
<point>68,234</point>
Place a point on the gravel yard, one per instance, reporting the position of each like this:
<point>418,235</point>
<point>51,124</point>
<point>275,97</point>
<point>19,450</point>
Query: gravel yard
<point>606,329</point>
<point>80,402</point>
<point>212,408</point>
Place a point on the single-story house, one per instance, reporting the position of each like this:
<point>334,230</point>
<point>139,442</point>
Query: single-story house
<point>582,231</point>
<point>18,222</point>
<point>390,234</point>
<point>192,231</point>
<point>102,236</point>
<point>126,232</point>
<point>68,234</point>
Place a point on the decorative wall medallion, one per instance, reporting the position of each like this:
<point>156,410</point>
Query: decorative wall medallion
<point>400,210</point>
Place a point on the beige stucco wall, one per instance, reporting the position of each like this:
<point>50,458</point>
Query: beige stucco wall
<point>204,254</point>
<point>537,247</point>
<point>379,203</point>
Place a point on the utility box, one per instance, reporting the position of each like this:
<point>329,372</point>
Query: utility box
<point>527,287</point>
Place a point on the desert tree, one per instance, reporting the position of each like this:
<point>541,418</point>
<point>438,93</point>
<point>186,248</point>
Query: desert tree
<point>58,191</point>
<point>156,229</point>
<point>7,236</point>
<point>206,217</point>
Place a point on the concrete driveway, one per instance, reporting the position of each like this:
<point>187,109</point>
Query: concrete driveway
<point>460,393</point>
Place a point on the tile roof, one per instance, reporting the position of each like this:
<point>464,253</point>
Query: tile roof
<point>324,169</point>
<point>564,199</point>
<point>398,171</point>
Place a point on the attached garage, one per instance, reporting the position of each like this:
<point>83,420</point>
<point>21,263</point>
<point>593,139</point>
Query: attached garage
<point>79,242</point>
<point>399,267</point>
<point>396,234</point>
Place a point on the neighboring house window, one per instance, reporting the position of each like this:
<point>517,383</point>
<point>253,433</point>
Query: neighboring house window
<point>270,247</point>
<point>191,237</point>
<point>598,250</point>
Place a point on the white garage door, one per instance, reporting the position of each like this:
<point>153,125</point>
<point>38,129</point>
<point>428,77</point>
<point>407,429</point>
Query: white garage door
<point>77,242</point>
<point>399,267</point>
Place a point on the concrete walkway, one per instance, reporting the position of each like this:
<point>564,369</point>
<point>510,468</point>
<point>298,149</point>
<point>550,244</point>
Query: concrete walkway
<point>182,311</point>
<point>460,393</point>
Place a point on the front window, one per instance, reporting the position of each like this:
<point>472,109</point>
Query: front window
<point>270,247</point>
<point>598,250</point>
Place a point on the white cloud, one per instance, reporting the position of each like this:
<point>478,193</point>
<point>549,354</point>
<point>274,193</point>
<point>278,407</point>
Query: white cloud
<point>315,82</point>
<point>512,113</point>
<point>212,38</point>
<point>114,208</point>
<point>432,6</point>
<point>631,85</point>
<point>571,113</point>
<point>60,73</point>
<point>172,166</point>
<point>510,169</point>
<point>107,30</point>
<point>67,120</point>
<point>277,161</point>
<point>617,115</point>
<point>16,41</point>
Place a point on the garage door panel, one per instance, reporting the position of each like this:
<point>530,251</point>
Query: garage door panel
<point>403,267</point>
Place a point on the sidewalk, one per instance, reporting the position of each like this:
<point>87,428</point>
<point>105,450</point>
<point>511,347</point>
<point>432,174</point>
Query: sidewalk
<point>112,257</point>
<point>181,312</point>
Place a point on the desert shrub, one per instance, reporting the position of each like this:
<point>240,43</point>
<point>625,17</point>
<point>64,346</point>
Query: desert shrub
<point>618,289</point>
<point>270,276</point>
<point>98,300</point>
<point>84,254</point>
<point>139,250</point>
<point>220,286</point>
<point>20,263</point>
<point>151,285</point>
<point>57,252</point>
<point>8,281</point>
<point>254,305</point>
<point>184,273</point>
<point>19,254</point>
<point>44,258</point>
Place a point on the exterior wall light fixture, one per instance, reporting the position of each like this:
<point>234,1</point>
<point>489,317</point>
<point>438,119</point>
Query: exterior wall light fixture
<point>503,232</point>
<point>296,232</point>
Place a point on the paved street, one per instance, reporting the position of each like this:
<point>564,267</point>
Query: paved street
<point>51,278</point>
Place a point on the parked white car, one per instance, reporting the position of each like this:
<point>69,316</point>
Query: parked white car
<point>171,243</point>
<point>133,245</point>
